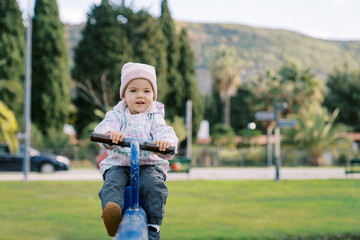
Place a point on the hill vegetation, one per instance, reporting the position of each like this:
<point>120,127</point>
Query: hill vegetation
<point>260,49</point>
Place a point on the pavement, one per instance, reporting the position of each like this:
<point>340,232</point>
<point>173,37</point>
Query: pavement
<point>266,173</point>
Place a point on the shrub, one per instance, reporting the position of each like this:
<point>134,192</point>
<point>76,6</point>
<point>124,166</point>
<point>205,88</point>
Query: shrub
<point>223,136</point>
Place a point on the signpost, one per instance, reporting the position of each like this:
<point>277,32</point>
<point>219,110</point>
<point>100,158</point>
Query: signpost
<point>264,116</point>
<point>280,123</point>
<point>287,123</point>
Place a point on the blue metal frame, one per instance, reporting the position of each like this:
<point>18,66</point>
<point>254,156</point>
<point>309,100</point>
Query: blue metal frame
<point>134,175</point>
<point>134,221</point>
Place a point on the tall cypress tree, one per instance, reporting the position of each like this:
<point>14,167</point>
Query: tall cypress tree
<point>50,78</point>
<point>12,56</point>
<point>186,69</point>
<point>99,57</point>
<point>174,99</point>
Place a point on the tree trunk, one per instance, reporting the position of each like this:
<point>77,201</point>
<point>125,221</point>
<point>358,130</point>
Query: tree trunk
<point>227,110</point>
<point>223,118</point>
<point>315,158</point>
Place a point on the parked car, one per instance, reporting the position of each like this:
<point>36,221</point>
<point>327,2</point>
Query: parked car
<point>45,163</point>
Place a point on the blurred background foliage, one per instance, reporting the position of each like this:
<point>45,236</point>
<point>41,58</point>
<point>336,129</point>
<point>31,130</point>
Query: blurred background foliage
<point>229,72</point>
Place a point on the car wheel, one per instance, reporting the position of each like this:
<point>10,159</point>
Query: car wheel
<point>47,168</point>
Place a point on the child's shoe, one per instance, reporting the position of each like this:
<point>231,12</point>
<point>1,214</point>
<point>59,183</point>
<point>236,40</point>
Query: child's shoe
<point>153,233</point>
<point>111,216</point>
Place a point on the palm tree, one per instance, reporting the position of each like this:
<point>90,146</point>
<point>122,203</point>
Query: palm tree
<point>225,71</point>
<point>266,91</point>
<point>296,87</point>
<point>299,87</point>
<point>316,133</point>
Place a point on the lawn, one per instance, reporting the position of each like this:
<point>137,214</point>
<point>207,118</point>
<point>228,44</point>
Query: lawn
<point>311,209</point>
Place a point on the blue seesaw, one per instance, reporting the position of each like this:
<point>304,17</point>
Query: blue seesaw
<point>133,224</point>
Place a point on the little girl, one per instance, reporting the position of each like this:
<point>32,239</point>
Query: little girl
<point>137,116</point>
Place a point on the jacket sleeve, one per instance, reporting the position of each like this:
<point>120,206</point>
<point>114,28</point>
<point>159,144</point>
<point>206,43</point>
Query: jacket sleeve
<point>161,131</point>
<point>111,122</point>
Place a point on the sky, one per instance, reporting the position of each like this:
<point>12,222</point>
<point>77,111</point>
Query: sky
<point>325,19</point>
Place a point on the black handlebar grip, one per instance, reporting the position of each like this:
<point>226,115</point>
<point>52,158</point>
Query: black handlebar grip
<point>104,138</point>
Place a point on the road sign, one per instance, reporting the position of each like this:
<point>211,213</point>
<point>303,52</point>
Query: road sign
<point>264,116</point>
<point>287,123</point>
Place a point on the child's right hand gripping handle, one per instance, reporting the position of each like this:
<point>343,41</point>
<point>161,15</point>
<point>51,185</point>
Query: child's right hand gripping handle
<point>103,138</point>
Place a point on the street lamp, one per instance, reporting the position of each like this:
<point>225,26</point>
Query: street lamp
<point>251,125</point>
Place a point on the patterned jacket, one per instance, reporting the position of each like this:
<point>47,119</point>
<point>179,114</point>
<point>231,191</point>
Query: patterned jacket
<point>147,126</point>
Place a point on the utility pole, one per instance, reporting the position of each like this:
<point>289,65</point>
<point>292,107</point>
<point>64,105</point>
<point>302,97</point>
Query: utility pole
<point>27,97</point>
<point>189,129</point>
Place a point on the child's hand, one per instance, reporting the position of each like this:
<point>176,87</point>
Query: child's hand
<point>162,144</point>
<point>116,136</point>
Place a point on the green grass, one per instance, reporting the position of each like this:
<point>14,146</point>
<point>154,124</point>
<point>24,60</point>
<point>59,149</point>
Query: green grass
<point>311,209</point>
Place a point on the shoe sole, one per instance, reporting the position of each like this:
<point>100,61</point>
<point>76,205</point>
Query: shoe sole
<point>111,217</point>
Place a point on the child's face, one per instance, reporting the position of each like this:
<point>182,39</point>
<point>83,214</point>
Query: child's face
<point>139,95</point>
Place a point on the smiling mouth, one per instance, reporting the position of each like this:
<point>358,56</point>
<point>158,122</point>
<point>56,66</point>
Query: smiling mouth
<point>140,102</point>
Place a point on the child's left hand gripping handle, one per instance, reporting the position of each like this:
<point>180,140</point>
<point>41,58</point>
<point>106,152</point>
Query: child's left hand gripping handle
<point>152,147</point>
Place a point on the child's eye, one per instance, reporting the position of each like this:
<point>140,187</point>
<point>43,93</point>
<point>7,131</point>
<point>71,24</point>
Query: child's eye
<point>147,91</point>
<point>133,90</point>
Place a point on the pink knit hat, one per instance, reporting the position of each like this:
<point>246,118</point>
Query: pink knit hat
<point>131,71</point>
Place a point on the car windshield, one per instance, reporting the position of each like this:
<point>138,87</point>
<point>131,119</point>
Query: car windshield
<point>32,151</point>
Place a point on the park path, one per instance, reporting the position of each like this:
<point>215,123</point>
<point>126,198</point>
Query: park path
<point>197,174</point>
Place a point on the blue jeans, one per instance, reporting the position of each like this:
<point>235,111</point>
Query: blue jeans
<point>152,188</point>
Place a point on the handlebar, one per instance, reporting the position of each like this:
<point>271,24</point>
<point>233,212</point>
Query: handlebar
<point>103,138</point>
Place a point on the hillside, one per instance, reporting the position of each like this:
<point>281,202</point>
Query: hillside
<point>260,49</point>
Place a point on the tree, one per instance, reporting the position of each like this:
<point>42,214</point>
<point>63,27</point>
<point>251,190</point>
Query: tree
<point>99,58</point>
<point>266,91</point>
<point>179,127</point>
<point>8,123</point>
<point>298,87</point>
<point>50,78</point>
<point>241,111</point>
<point>175,95</point>
<point>213,110</point>
<point>225,71</point>
<point>344,93</point>
<point>12,57</point>
<point>223,136</point>
<point>317,132</point>
<point>8,127</point>
<point>187,73</point>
